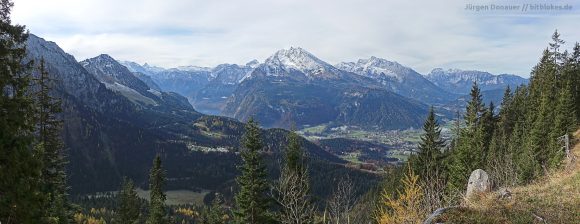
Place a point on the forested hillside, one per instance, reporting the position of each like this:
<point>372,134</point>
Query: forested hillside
<point>528,139</point>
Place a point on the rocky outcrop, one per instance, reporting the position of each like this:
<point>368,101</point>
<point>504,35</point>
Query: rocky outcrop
<point>478,183</point>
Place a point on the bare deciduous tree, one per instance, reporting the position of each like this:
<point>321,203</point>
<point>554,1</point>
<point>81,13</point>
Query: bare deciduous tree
<point>433,187</point>
<point>341,202</point>
<point>503,171</point>
<point>292,195</point>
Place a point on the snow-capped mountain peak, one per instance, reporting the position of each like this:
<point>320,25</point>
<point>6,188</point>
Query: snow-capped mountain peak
<point>375,67</point>
<point>297,59</point>
<point>460,81</point>
<point>193,68</point>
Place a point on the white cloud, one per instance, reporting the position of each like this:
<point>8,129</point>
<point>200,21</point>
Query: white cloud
<point>422,35</point>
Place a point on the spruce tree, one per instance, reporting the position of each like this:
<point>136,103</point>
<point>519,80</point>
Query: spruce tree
<point>214,214</point>
<point>294,153</point>
<point>157,213</point>
<point>574,77</point>
<point>252,202</point>
<point>571,79</point>
<point>469,153</point>
<point>564,124</point>
<point>129,208</point>
<point>51,150</point>
<point>428,163</point>
<point>21,198</point>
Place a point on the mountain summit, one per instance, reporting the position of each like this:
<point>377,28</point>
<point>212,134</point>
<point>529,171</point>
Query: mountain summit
<point>398,78</point>
<point>460,81</point>
<point>376,67</point>
<point>296,59</point>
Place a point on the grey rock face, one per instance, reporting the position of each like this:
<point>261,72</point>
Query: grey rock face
<point>478,182</point>
<point>460,81</point>
<point>399,79</point>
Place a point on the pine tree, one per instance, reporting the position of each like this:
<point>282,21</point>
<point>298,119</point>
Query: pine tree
<point>293,187</point>
<point>157,213</point>
<point>571,78</point>
<point>214,214</point>
<point>51,151</point>
<point>251,201</point>
<point>294,153</point>
<point>21,199</point>
<point>558,57</point>
<point>469,153</point>
<point>474,108</point>
<point>574,76</point>
<point>428,163</point>
<point>129,208</point>
<point>526,165</point>
<point>500,160</point>
<point>564,124</point>
<point>489,121</point>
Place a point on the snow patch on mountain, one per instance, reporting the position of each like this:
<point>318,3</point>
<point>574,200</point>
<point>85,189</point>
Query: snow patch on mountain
<point>375,68</point>
<point>131,94</point>
<point>297,59</point>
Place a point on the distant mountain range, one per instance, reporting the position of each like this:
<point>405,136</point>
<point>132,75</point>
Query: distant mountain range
<point>398,79</point>
<point>118,115</point>
<point>115,123</point>
<point>294,87</point>
<point>460,81</point>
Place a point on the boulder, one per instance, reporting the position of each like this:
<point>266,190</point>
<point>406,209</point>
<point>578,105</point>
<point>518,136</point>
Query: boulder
<point>478,183</point>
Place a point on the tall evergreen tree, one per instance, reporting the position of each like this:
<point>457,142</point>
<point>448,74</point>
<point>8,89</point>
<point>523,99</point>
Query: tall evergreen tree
<point>469,153</point>
<point>214,214</point>
<point>541,114</point>
<point>129,208</point>
<point>564,124</point>
<point>557,56</point>
<point>157,213</point>
<point>252,202</point>
<point>20,195</point>
<point>294,153</point>
<point>51,150</point>
<point>428,162</point>
<point>571,78</point>
<point>574,76</point>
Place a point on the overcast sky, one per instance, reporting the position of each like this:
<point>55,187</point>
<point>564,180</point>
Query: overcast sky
<point>420,34</point>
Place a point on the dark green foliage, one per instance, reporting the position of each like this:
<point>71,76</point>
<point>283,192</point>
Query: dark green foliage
<point>51,150</point>
<point>522,142</point>
<point>428,162</point>
<point>215,213</point>
<point>157,213</point>
<point>129,207</point>
<point>471,149</point>
<point>573,74</point>
<point>20,195</point>
<point>252,203</point>
<point>294,153</point>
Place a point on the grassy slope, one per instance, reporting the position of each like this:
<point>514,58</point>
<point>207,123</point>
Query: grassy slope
<point>555,199</point>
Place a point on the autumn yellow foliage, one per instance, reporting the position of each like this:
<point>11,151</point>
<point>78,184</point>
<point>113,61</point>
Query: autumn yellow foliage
<point>80,218</point>
<point>406,208</point>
